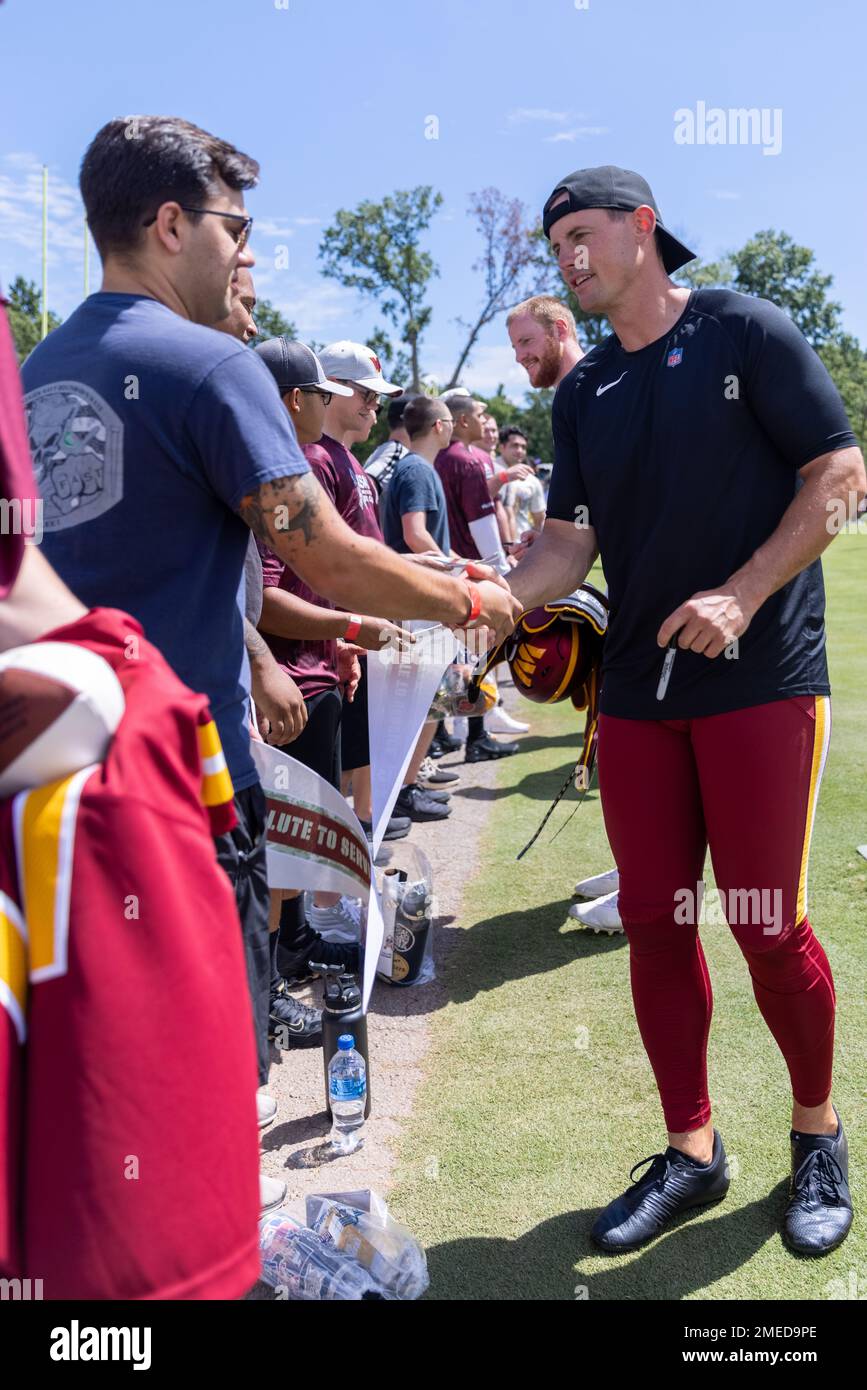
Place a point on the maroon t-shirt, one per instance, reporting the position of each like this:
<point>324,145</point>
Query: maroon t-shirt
<point>465,484</point>
<point>347,484</point>
<point>18,488</point>
<point>311,662</point>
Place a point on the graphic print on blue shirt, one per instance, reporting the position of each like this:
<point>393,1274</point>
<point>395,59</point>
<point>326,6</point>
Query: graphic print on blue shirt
<point>146,432</point>
<point>684,473</point>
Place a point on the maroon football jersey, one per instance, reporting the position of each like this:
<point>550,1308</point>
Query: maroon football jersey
<point>347,484</point>
<point>127,1062</point>
<point>465,485</point>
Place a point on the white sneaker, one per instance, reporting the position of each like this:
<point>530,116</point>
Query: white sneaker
<point>272,1192</point>
<point>266,1109</point>
<point>499,721</point>
<point>341,923</point>
<point>601,915</point>
<point>597,887</point>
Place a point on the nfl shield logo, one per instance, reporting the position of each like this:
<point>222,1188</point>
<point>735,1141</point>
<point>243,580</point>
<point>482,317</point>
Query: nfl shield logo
<point>674,357</point>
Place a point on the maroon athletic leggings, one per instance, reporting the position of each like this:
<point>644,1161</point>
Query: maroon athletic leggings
<point>745,784</point>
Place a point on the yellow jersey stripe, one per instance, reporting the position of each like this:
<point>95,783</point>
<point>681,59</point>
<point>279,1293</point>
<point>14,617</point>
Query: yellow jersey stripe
<point>821,739</point>
<point>217,788</point>
<point>209,740</point>
<point>13,965</point>
<point>44,821</point>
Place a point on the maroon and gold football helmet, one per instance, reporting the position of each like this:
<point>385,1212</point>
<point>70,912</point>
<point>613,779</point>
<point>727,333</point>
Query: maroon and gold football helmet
<point>555,653</point>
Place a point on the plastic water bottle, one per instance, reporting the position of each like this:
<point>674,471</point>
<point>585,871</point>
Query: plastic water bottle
<point>347,1093</point>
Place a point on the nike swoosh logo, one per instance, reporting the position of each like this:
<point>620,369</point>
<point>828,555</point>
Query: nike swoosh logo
<point>600,390</point>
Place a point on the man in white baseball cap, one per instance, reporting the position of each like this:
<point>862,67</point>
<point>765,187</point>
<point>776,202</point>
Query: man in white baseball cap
<point>349,421</point>
<point>358,364</point>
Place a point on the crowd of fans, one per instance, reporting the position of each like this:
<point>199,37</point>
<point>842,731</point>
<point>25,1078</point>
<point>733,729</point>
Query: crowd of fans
<point>181,446</point>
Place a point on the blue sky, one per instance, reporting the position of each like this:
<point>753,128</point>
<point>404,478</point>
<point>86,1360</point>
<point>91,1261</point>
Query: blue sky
<point>332,98</point>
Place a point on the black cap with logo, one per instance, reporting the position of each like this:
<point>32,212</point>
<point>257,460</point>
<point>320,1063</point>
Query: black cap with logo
<point>610,187</point>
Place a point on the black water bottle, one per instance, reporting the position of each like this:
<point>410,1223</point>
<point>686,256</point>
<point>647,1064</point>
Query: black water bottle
<point>342,1013</point>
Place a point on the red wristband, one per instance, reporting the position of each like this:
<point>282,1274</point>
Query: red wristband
<point>475,606</point>
<point>503,476</point>
<point>474,571</point>
<point>353,627</point>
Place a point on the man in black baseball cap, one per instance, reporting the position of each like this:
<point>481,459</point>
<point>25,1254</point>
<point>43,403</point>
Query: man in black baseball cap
<point>304,388</point>
<point>698,450</point>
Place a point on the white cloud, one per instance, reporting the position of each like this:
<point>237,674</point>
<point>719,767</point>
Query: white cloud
<point>488,368</point>
<point>21,213</point>
<point>535,113</point>
<point>269,227</point>
<point>724,194</point>
<point>580,133</point>
<point>319,308</point>
<point>307,221</point>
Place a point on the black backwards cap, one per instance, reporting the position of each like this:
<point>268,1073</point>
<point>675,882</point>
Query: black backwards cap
<point>610,187</point>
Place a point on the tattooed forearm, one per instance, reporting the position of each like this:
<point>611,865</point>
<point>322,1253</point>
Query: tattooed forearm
<point>257,647</point>
<point>282,506</point>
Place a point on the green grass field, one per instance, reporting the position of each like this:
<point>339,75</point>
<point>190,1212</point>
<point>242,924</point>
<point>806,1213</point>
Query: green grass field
<point>538,1097</point>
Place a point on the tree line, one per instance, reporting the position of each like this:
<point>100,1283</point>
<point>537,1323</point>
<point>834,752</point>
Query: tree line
<point>377,249</point>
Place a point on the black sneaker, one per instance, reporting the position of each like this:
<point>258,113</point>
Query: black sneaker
<point>449,743</point>
<point>483,749</point>
<point>313,956</point>
<point>436,749</point>
<point>436,776</point>
<point>674,1183</point>
<point>292,1024</point>
<point>819,1211</point>
<point>420,805</point>
<point>398,827</point>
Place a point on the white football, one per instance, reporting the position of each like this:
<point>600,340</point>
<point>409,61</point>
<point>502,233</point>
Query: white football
<point>60,704</point>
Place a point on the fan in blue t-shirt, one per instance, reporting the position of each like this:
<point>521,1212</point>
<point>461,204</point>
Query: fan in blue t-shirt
<point>146,431</point>
<point>413,509</point>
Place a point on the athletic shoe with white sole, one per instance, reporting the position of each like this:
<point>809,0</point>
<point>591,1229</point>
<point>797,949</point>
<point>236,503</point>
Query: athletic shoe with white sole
<point>340,923</point>
<point>673,1183</point>
<point>272,1192</point>
<point>601,915</point>
<point>434,776</point>
<point>598,886</point>
<point>266,1109</point>
<point>499,721</point>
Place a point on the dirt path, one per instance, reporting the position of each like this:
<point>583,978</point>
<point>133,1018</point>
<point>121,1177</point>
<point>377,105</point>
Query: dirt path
<point>294,1147</point>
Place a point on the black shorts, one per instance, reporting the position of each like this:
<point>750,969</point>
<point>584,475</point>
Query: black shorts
<point>318,747</point>
<point>354,737</point>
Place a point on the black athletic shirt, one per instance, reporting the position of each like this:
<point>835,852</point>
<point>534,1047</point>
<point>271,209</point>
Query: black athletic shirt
<point>685,455</point>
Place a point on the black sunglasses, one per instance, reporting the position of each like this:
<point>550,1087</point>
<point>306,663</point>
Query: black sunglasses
<point>327,396</point>
<point>243,235</point>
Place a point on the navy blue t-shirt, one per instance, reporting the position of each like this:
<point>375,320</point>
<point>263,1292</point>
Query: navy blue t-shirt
<point>414,486</point>
<point>685,455</point>
<point>146,431</point>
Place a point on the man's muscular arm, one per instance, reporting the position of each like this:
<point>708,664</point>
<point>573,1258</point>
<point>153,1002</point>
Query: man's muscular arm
<point>295,518</point>
<point>559,560</point>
